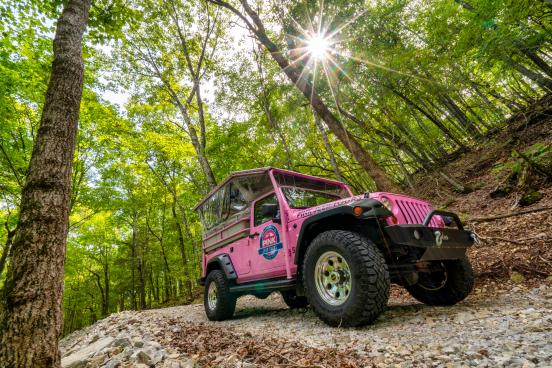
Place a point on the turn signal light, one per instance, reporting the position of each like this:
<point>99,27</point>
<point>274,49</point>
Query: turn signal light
<point>358,211</point>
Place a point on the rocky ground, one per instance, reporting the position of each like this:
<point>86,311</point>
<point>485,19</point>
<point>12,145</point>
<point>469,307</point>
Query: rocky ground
<point>498,325</point>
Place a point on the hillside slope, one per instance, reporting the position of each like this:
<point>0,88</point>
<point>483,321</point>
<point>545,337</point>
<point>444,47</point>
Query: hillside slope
<point>501,182</point>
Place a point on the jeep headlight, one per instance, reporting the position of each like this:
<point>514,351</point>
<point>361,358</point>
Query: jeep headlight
<point>387,203</point>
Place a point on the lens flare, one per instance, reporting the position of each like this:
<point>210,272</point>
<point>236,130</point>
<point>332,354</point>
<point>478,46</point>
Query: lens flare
<point>318,46</point>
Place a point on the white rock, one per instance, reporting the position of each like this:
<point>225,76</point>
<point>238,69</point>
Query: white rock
<point>77,357</point>
<point>154,344</point>
<point>112,363</point>
<point>122,341</point>
<point>141,357</point>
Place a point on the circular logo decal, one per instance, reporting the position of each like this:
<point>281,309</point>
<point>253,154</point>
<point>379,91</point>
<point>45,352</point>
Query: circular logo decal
<point>270,242</point>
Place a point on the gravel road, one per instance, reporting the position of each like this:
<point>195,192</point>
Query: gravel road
<point>496,326</point>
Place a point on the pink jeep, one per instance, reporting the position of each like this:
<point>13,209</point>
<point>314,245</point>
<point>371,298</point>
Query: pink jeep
<point>311,239</point>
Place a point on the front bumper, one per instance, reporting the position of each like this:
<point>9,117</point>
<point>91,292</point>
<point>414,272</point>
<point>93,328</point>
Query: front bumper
<point>435,243</point>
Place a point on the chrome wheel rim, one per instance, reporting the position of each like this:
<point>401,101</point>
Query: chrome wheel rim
<point>212,296</point>
<point>332,277</point>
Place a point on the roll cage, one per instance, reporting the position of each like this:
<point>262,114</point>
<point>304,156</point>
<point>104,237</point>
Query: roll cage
<point>230,202</point>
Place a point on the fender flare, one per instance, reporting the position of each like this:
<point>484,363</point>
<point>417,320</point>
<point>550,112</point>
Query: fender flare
<point>224,263</point>
<point>372,209</point>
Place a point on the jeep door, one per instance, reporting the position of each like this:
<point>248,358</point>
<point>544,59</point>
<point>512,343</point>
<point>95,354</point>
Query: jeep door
<point>266,241</point>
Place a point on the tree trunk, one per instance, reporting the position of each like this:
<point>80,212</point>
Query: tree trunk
<point>380,178</point>
<point>431,118</point>
<point>539,79</point>
<point>328,147</point>
<point>190,130</point>
<point>195,75</point>
<point>105,310</point>
<point>157,288</point>
<point>265,102</point>
<point>172,190</point>
<point>7,249</point>
<point>102,292</point>
<point>31,316</point>
<point>152,284</point>
<point>141,284</point>
<point>460,116</point>
<point>200,150</point>
<point>133,247</point>
<point>182,248</point>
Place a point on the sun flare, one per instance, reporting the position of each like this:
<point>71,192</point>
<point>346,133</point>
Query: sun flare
<point>318,46</point>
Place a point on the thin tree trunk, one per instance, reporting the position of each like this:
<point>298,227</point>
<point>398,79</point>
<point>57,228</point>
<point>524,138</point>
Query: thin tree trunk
<point>265,102</point>
<point>542,81</point>
<point>182,248</point>
<point>160,238</point>
<point>133,247</point>
<point>460,116</point>
<point>428,115</point>
<point>195,75</point>
<point>7,249</point>
<point>102,292</point>
<point>378,175</point>
<point>406,174</point>
<point>189,128</point>
<point>184,217</point>
<point>141,284</point>
<point>200,150</point>
<point>155,296</point>
<point>328,148</point>
<point>30,306</point>
<point>68,324</point>
<point>106,288</point>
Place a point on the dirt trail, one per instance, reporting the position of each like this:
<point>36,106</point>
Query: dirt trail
<point>511,327</point>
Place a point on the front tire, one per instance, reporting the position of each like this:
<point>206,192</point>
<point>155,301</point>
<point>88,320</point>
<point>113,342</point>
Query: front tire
<point>218,302</point>
<point>446,287</point>
<point>346,279</point>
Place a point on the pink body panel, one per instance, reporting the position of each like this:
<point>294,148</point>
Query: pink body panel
<point>252,264</point>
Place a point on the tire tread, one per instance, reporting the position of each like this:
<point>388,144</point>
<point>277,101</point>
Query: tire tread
<point>457,288</point>
<point>226,301</point>
<point>373,280</point>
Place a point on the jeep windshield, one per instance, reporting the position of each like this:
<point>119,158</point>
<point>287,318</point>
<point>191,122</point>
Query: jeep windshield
<point>305,198</point>
<point>303,192</point>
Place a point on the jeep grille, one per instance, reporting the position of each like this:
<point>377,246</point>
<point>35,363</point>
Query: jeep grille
<point>416,212</point>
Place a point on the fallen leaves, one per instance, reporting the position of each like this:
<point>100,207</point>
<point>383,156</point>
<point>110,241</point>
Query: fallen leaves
<point>216,347</point>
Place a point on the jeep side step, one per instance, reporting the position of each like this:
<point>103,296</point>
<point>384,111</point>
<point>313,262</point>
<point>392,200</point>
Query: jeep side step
<point>263,286</point>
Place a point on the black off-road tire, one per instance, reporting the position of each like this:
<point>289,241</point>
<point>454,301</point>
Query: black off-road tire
<point>455,287</point>
<point>225,304</point>
<point>293,300</point>
<point>369,292</point>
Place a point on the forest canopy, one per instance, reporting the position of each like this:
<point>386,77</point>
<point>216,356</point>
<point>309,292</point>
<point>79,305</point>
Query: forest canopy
<point>179,94</point>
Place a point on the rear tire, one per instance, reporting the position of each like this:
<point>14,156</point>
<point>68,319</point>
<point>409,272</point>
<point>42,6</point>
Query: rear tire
<point>293,300</point>
<point>446,287</point>
<point>346,279</point>
<point>218,302</point>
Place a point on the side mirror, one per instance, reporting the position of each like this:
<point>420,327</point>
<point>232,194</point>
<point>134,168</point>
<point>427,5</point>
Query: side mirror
<point>270,210</point>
